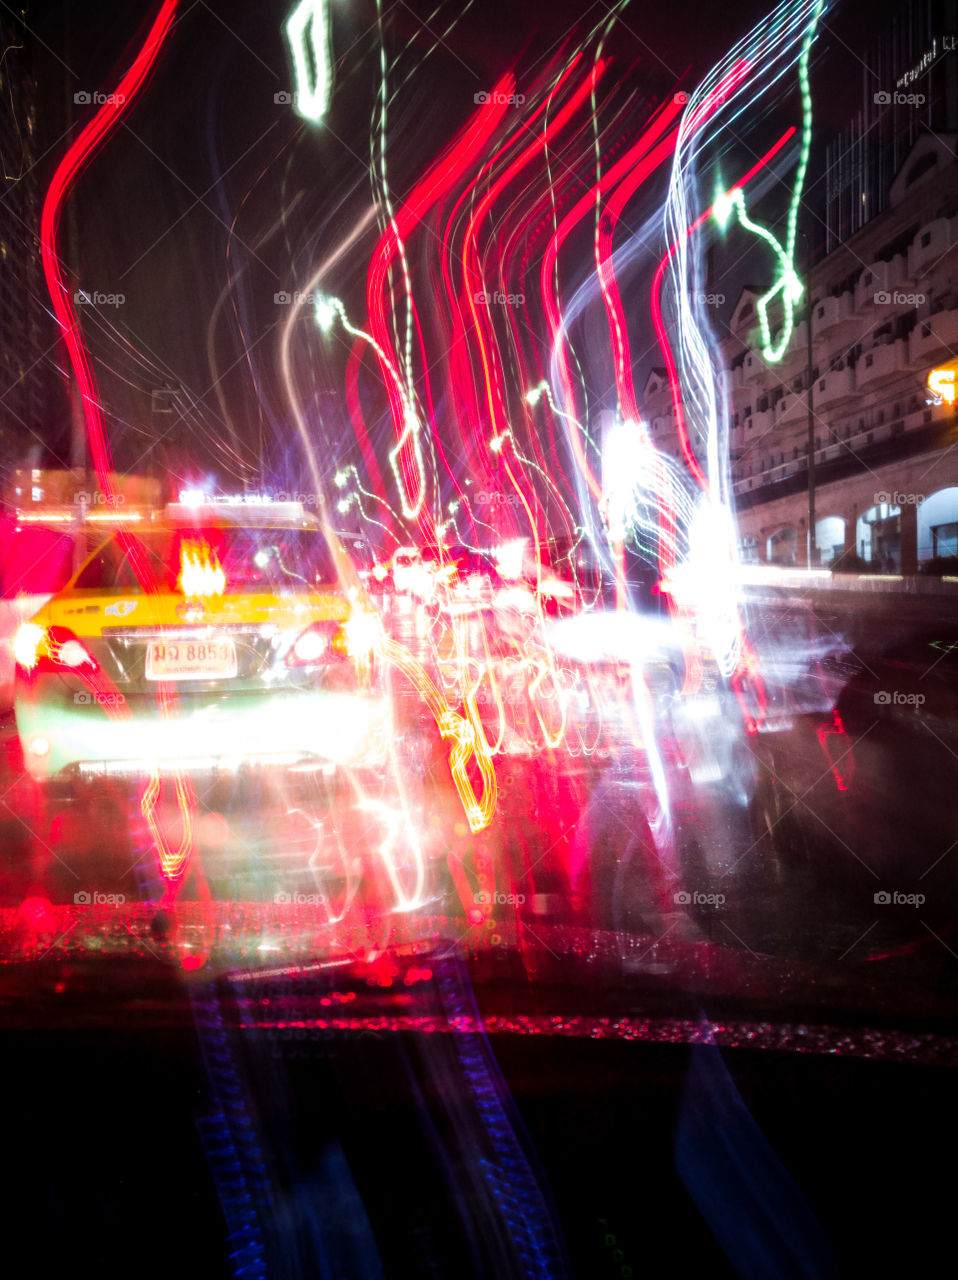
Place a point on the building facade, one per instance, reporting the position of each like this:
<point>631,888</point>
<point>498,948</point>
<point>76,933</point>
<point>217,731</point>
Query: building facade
<point>909,89</point>
<point>883,309</point>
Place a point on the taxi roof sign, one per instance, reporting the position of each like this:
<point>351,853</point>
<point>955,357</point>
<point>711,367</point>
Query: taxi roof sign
<point>235,507</point>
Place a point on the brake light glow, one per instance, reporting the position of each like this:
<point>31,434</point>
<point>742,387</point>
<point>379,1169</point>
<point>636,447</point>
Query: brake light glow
<point>36,648</point>
<point>362,634</point>
<point>27,644</point>
<point>321,642</point>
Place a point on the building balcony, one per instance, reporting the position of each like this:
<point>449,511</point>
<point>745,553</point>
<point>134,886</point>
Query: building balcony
<point>758,424</point>
<point>754,366</point>
<point>878,282</point>
<point>933,339</point>
<point>836,387</point>
<point>881,364</point>
<point>929,245</point>
<point>797,349</point>
<point>830,314</point>
<point>791,409</point>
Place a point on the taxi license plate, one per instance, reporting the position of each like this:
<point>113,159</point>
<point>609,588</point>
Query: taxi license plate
<point>190,659</point>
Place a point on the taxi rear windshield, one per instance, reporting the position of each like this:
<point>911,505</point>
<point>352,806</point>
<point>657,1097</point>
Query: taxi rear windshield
<point>212,561</point>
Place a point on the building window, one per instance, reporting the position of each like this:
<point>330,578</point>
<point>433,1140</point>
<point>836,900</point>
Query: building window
<point>944,539</point>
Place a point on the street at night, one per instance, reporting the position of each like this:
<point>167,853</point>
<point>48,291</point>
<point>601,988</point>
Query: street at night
<point>479,638</point>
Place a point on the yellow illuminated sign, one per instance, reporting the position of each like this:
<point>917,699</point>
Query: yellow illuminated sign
<point>941,383</point>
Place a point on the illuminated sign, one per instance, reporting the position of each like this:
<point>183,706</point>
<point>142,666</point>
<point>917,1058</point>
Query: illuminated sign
<point>941,383</point>
<point>948,45</point>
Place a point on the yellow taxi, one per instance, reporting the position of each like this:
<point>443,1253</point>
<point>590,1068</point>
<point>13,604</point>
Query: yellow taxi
<point>225,633</point>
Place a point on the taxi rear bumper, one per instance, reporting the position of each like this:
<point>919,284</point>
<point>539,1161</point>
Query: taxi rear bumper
<point>63,737</point>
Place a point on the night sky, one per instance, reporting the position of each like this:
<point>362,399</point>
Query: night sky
<point>212,197</point>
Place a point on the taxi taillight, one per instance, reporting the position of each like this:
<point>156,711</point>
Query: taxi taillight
<point>51,649</point>
<point>320,642</point>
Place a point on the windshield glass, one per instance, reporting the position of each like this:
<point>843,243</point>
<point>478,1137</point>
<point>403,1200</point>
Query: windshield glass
<point>488,807</point>
<point>249,559</point>
<point>35,561</point>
